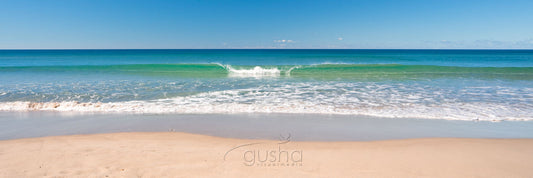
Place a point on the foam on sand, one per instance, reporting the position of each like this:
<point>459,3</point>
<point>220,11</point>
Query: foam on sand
<point>188,105</point>
<point>380,100</point>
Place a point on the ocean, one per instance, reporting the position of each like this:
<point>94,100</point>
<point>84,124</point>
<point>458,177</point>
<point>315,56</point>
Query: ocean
<point>479,85</point>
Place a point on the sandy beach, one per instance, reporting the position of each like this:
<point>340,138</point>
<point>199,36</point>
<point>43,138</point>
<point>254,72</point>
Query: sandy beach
<point>181,154</point>
<point>266,88</point>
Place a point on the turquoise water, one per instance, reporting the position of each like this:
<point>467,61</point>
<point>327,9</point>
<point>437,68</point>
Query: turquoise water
<point>429,84</point>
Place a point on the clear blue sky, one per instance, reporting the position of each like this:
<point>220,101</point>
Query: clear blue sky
<point>105,24</point>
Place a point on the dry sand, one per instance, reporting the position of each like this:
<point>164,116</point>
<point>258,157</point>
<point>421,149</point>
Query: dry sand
<point>187,155</point>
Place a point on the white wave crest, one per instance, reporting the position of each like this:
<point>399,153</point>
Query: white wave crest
<point>288,73</point>
<point>257,71</point>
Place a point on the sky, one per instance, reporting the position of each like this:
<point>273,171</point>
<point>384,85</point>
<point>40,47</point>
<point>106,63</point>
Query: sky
<point>285,24</point>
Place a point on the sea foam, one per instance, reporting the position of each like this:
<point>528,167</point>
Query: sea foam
<point>391,101</point>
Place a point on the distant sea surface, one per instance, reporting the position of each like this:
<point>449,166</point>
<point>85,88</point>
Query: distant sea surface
<point>492,85</point>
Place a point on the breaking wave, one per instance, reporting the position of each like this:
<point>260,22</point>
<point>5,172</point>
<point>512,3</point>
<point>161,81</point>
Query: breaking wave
<point>318,71</point>
<point>400,101</point>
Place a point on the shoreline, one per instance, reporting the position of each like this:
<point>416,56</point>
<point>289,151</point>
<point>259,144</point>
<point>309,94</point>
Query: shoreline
<point>302,127</point>
<point>175,153</point>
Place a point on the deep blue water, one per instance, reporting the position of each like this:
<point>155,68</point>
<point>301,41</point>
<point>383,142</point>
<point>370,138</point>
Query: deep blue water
<point>468,58</point>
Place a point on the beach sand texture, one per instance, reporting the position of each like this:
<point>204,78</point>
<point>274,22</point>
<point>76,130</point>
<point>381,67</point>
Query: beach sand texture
<point>188,155</point>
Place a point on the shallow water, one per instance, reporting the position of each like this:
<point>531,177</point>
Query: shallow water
<point>491,85</point>
<point>300,127</point>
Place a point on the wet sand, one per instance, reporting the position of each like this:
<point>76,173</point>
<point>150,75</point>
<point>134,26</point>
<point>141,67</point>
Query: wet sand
<point>302,127</point>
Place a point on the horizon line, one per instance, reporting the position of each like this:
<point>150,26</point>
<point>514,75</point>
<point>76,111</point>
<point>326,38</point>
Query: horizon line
<point>267,49</point>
